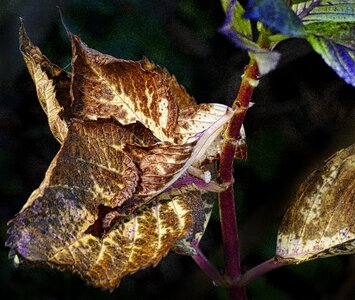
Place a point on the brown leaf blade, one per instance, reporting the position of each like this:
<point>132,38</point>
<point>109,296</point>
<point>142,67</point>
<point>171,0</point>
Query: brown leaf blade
<point>136,241</point>
<point>52,85</point>
<point>106,87</point>
<point>201,209</point>
<point>107,206</point>
<point>77,220</point>
<point>143,238</point>
<point>321,222</point>
<point>159,166</point>
<point>212,152</point>
<point>78,180</point>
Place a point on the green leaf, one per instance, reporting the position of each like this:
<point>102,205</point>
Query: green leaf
<point>238,30</point>
<point>240,25</point>
<point>330,26</point>
<point>340,58</point>
<point>275,14</point>
<point>341,33</point>
<point>324,11</point>
<point>299,1</point>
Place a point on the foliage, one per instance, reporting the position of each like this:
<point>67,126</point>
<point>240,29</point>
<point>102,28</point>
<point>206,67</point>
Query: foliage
<point>320,221</point>
<point>329,26</point>
<point>114,182</point>
<point>99,101</point>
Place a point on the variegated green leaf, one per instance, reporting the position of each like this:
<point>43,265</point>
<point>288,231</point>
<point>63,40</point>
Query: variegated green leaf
<point>339,57</point>
<point>325,11</point>
<point>330,26</point>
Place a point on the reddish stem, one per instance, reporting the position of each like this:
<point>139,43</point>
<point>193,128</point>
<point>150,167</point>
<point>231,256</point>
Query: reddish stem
<point>202,261</point>
<point>258,271</point>
<point>226,199</point>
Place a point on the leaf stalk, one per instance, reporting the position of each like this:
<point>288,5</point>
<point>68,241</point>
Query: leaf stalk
<point>202,261</point>
<point>258,271</point>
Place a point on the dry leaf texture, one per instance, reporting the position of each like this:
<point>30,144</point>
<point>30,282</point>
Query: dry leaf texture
<point>130,91</point>
<point>107,205</point>
<point>61,225</point>
<point>321,222</point>
<point>52,85</point>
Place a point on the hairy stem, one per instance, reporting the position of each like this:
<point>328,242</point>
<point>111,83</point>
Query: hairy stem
<point>257,271</point>
<point>226,200</point>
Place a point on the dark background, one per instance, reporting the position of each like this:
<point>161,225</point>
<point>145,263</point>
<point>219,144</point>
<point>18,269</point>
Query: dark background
<point>303,114</point>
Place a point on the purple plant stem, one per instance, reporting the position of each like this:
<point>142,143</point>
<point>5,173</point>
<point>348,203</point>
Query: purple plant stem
<point>187,179</point>
<point>257,271</point>
<point>226,200</point>
<point>207,267</point>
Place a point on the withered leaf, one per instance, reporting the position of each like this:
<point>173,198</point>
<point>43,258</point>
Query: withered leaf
<point>107,205</point>
<point>321,222</point>
<point>52,85</point>
<point>61,224</point>
<point>136,241</point>
<point>130,91</point>
<point>201,213</point>
<point>212,152</point>
<point>163,161</point>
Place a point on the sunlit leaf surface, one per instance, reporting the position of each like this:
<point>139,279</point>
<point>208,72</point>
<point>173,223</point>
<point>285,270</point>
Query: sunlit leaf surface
<point>108,205</point>
<point>321,222</point>
<point>52,85</point>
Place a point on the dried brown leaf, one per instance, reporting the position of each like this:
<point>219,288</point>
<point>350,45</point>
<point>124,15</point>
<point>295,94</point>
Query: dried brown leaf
<point>106,87</point>
<point>58,235</point>
<point>212,152</point>
<point>158,166</point>
<point>129,91</point>
<point>321,222</point>
<point>52,85</point>
<point>107,205</point>
<point>201,213</point>
<point>77,219</point>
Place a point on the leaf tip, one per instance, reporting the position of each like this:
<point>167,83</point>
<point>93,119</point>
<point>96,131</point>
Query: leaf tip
<point>70,35</point>
<point>24,40</point>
